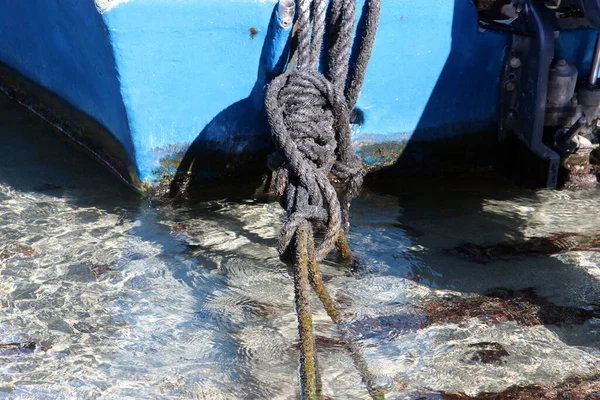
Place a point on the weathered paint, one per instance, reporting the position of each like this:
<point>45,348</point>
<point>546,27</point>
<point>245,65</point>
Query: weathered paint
<point>189,68</point>
<point>105,5</point>
<point>381,154</point>
<point>64,46</point>
<point>190,72</point>
<point>194,72</point>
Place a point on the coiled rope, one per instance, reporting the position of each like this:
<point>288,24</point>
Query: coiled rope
<point>309,116</point>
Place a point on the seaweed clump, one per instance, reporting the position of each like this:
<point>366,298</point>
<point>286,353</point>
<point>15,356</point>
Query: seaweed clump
<point>8,250</point>
<point>499,305</point>
<point>491,310</point>
<point>573,388</point>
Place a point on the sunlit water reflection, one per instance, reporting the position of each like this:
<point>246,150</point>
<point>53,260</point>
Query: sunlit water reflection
<point>127,298</point>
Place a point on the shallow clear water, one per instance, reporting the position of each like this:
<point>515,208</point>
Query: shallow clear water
<point>130,299</point>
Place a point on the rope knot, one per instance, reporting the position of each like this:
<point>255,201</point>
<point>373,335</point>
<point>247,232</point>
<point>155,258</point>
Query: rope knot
<point>309,119</point>
<point>308,103</point>
<point>305,112</point>
<point>309,112</point>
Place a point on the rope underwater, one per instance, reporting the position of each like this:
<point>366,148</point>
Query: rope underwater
<point>310,123</point>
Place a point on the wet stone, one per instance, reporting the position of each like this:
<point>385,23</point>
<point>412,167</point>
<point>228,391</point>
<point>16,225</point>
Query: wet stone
<point>27,346</point>
<point>88,216</point>
<point>84,327</point>
<point>98,269</point>
<point>25,291</point>
<point>410,231</point>
<point>21,346</point>
<point>488,353</point>
<point>46,187</point>
<point>79,272</point>
<point>387,327</point>
<point>58,325</point>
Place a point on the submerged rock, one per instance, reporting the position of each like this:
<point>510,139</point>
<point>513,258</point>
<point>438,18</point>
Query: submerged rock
<point>535,246</point>
<point>23,346</point>
<point>489,353</point>
<point>47,187</point>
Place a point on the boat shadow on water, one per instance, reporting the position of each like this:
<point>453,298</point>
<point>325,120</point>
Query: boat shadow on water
<point>35,159</point>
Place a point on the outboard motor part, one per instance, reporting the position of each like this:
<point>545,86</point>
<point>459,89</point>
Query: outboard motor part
<point>523,97</point>
<point>589,98</point>
<point>593,74</point>
<point>566,140</point>
<point>589,94</point>
<point>561,103</point>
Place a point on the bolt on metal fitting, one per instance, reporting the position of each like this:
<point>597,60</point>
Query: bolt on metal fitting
<point>515,62</point>
<point>287,11</point>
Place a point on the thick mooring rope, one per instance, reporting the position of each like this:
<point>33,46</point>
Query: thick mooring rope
<point>309,115</point>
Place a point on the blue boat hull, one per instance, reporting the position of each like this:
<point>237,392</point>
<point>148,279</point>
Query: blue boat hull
<point>184,80</point>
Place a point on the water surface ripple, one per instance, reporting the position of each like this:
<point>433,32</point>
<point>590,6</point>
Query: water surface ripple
<point>125,298</point>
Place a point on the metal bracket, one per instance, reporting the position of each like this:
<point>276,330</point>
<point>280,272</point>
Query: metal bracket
<point>523,98</point>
